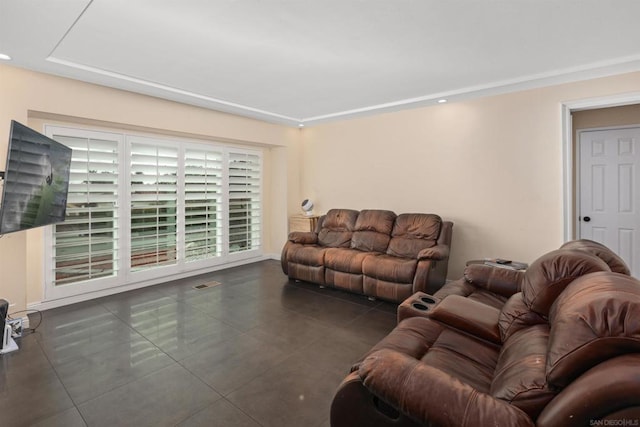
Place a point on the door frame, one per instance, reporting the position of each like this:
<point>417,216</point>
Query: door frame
<point>569,152</point>
<point>578,164</point>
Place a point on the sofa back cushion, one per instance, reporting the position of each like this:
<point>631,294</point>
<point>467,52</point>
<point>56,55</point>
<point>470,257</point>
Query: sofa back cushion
<point>337,227</point>
<point>596,318</point>
<point>550,274</point>
<point>615,263</point>
<point>372,231</point>
<point>412,233</point>
<point>502,281</point>
<point>519,377</point>
<point>515,315</point>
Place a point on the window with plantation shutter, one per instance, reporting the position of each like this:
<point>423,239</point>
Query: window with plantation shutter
<point>142,209</point>
<point>86,245</point>
<point>244,201</point>
<point>203,204</point>
<point>154,204</point>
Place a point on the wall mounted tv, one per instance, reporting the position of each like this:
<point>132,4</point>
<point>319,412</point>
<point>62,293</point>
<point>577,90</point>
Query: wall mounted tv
<point>36,181</point>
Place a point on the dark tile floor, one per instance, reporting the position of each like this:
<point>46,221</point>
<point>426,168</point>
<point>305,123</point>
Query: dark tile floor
<point>256,350</point>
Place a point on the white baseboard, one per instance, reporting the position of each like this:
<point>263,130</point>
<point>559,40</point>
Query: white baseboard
<point>25,322</point>
<point>274,256</point>
<point>60,302</point>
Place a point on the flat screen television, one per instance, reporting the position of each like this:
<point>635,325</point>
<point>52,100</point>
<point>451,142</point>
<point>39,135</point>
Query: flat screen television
<point>36,181</point>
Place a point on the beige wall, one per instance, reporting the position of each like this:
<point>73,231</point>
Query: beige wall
<point>492,165</point>
<point>605,117</point>
<point>35,98</point>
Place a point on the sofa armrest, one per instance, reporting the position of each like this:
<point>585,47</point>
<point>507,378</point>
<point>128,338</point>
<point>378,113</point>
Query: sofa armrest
<point>605,391</point>
<point>467,315</point>
<point>431,396</point>
<point>303,237</point>
<point>501,281</point>
<point>437,252</point>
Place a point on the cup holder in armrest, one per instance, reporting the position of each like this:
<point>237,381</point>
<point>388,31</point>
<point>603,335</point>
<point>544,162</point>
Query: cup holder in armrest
<point>428,300</point>
<point>419,304</point>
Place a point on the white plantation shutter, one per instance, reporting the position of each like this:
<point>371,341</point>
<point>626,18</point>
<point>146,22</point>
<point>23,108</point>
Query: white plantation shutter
<point>203,204</point>
<point>154,204</point>
<point>85,246</point>
<point>245,201</point>
<point>152,207</point>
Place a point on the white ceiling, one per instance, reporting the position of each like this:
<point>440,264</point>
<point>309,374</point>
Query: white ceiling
<point>308,61</point>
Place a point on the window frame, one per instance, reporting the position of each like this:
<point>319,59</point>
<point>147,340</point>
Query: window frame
<point>183,267</point>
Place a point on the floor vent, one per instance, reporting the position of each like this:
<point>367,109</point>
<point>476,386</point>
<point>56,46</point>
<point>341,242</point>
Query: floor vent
<point>206,285</point>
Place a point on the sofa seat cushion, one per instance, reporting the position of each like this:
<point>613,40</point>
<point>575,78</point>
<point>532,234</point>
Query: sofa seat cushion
<point>413,337</point>
<point>471,360</point>
<point>345,260</point>
<point>468,359</point>
<point>390,268</point>
<point>520,375</point>
<point>307,255</point>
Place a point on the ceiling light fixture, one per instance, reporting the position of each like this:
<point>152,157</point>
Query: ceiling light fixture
<point>442,101</point>
<point>300,125</point>
<point>5,57</point>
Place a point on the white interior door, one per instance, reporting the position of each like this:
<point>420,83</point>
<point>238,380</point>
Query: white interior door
<point>610,191</point>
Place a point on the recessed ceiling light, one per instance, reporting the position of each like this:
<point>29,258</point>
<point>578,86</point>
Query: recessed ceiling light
<point>5,57</point>
<point>300,125</point>
<point>441,101</point>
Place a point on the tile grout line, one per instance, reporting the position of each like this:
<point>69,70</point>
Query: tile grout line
<point>75,405</point>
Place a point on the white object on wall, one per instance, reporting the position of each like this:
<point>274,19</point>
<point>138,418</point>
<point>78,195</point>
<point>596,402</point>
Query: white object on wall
<point>307,207</point>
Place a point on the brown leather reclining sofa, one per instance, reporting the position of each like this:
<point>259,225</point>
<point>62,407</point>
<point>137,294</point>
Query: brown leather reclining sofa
<point>493,286</point>
<point>372,252</point>
<point>562,351</point>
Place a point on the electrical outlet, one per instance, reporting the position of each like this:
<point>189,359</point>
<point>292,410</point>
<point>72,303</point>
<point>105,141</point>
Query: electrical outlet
<point>16,327</point>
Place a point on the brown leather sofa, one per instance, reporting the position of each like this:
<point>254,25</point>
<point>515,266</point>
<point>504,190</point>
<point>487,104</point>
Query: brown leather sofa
<point>494,285</point>
<point>372,252</point>
<point>559,353</point>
